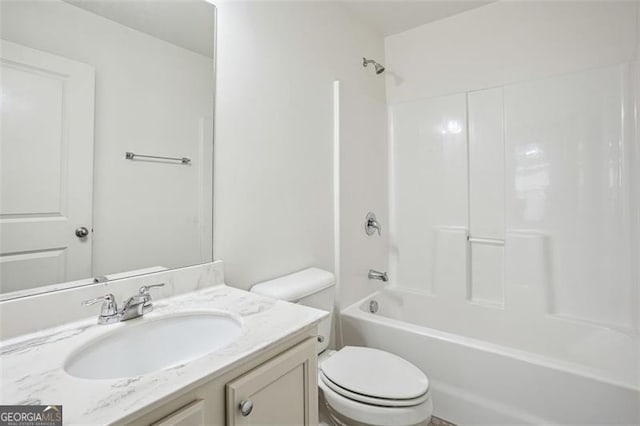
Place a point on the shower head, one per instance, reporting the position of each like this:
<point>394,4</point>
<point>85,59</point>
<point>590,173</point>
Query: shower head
<point>379,68</point>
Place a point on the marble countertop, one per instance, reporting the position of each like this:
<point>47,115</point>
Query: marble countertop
<point>31,365</point>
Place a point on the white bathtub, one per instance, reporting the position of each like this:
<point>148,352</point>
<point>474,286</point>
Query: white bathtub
<point>477,381</point>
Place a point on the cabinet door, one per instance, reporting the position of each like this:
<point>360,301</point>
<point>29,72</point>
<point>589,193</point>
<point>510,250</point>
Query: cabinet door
<point>282,391</point>
<point>189,415</point>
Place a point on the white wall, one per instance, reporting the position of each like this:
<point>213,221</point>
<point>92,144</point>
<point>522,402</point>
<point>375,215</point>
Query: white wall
<point>363,188</point>
<point>274,138</point>
<point>150,98</point>
<point>508,41</point>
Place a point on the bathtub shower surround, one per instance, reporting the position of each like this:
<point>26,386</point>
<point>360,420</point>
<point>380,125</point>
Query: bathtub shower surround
<point>515,214</point>
<point>529,215</point>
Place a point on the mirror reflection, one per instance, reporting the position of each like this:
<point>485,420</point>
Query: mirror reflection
<point>83,84</point>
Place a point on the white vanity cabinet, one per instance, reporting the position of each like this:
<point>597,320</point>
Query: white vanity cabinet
<point>278,387</point>
<point>282,391</point>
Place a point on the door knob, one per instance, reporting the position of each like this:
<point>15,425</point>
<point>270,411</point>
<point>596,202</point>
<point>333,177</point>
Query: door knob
<point>82,232</point>
<point>246,406</point>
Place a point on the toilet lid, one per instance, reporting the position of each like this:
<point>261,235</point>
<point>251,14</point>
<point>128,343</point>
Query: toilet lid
<point>375,373</point>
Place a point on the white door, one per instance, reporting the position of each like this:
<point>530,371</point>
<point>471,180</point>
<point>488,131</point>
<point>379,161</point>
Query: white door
<point>46,175</point>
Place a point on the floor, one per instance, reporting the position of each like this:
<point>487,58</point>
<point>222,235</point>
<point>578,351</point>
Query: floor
<point>435,421</point>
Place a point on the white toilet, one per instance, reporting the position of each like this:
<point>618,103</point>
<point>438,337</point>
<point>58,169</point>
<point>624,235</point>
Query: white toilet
<point>360,386</point>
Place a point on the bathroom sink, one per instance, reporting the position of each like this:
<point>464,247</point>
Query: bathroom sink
<point>147,345</point>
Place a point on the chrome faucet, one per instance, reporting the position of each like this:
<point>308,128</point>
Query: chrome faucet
<point>133,307</point>
<point>138,305</point>
<point>371,224</point>
<point>377,275</point>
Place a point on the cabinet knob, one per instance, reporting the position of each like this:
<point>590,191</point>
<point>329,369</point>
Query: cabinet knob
<point>246,406</point>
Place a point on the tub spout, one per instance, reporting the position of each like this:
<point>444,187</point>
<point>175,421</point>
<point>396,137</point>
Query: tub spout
<point>377,275</point>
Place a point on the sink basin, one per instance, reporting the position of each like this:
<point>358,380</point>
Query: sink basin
<point>144,346</point>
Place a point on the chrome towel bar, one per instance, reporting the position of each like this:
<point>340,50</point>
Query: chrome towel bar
<point>131,156</point>
<point>493,241</point>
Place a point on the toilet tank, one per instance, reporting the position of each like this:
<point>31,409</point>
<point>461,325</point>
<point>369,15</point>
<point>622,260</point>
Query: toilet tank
<point>311,287</point>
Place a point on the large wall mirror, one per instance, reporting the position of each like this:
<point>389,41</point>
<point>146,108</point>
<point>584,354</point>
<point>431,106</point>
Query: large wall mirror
<point>92,91</point>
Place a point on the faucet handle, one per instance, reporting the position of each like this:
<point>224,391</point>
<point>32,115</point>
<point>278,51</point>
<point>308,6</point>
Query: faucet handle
<point>144,290</point>
<point>147,306</point>
<point>371,224</point>
<point>109,307</point>
<point>146,295</point>
<point>106,298</point>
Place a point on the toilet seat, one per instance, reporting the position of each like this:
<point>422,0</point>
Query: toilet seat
<point>374,414</point>
<point>375,374</point>
<point>382,402</point>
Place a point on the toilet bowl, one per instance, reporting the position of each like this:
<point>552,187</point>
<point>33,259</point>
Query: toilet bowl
<point>359,386</point>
